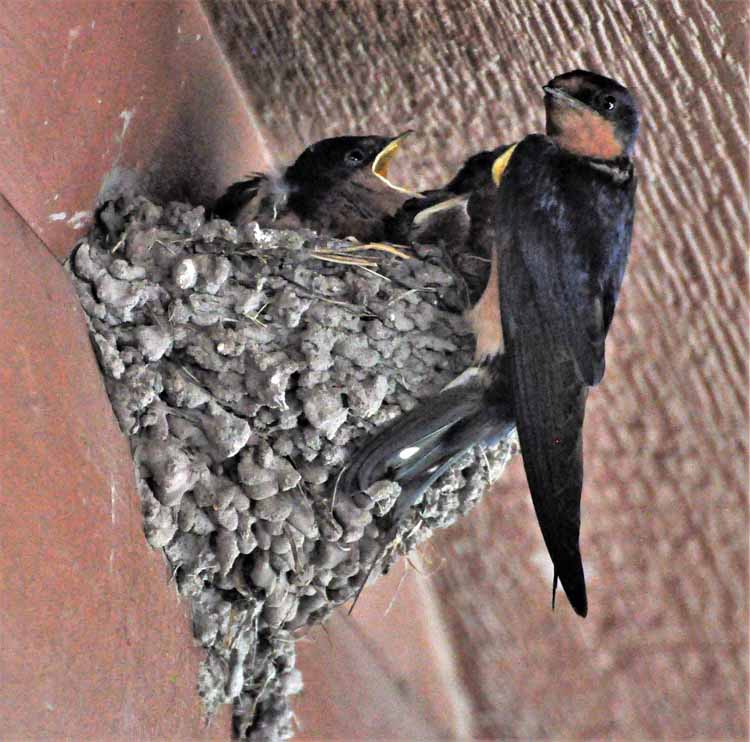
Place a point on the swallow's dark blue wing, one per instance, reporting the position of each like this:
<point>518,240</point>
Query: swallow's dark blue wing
<point>573,225</point>
<point>563,234</point>
<point>549,404</point>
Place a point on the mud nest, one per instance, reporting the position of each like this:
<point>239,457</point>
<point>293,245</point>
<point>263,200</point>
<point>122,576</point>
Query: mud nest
<point>245,366</point>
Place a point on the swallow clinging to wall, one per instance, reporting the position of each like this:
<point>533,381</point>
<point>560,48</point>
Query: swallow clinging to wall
<point>563,215</point>
<point>337,186</point>
<point>564,220</point>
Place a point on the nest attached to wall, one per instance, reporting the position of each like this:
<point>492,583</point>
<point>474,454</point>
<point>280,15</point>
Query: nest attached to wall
<point>245,366</point>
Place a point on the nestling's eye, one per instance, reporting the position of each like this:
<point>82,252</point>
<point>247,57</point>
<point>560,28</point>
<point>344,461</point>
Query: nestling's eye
<point>609,102</point>
<point>355,157</point>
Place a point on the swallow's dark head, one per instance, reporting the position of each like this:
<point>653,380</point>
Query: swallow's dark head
<point>476,171</point>
<point>591,115</point>
<point>337,160</point>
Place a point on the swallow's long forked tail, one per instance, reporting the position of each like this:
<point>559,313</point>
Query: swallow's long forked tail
<point>550,431</point>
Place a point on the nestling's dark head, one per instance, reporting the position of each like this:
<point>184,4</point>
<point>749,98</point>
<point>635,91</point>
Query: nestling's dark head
<point>476,171</point>
<point>591,115</point>
<point>340,158</point>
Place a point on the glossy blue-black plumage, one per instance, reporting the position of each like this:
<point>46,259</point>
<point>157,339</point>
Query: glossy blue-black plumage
<point>563,225</point>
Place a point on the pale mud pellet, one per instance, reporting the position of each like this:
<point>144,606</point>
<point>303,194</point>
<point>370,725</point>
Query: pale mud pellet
<point>314,473</point>
<point>273,509</point>
<point>187,513</point>
<point>262,535</point>
<point>264,455</point>
<point>282,562</point>
<point>153,341</point>
<point>325,411</point>
<point>185,549</point>
<point>261,574</point>
<point>281,545</point>
<point>123,271</point>
<point>246,541</point>
<point>302,516</point>
<point>251,473</point>
<point>227,518</point>
<point>302,577</point>
<point>277,596</point>
<point>170,468</point>
<point>227,432</point>
<point>349,515</point>
<point>240,502</point>
<point>226,549</point>
<point>328,555</point>
<point>287,476</point>
<point>223,496</point>
<point>202,524</point>
<point>109,356</point>
<point>236,679</point>
<point>212,272</point>
<point>262,491</point>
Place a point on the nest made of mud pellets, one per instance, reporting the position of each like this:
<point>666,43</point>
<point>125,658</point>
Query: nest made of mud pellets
<point>244,367</point>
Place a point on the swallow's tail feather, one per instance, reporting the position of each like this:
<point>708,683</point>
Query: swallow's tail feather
<point>419,447</point>
<point>550,404</point>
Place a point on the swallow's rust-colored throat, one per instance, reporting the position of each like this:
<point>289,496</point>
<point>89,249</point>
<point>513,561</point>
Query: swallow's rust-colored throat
<point>583,131</point>
<point>579,128</point>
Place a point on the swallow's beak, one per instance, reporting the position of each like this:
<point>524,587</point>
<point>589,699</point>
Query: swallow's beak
<point>383,160</point>
<point>450,203</point>
<point>499,165</point>
<point>560,96</point>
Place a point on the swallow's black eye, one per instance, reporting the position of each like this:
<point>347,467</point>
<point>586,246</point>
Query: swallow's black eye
<point>355,157</point>
<point>609,102</point>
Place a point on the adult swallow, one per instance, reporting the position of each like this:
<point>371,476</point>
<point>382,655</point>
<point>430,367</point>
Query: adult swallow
<point>563,213</point>
<point>337,186</point>
<point>563,220</point>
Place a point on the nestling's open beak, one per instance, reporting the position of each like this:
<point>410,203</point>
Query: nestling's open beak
<point>499,165</point>
<point>383,160</point>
